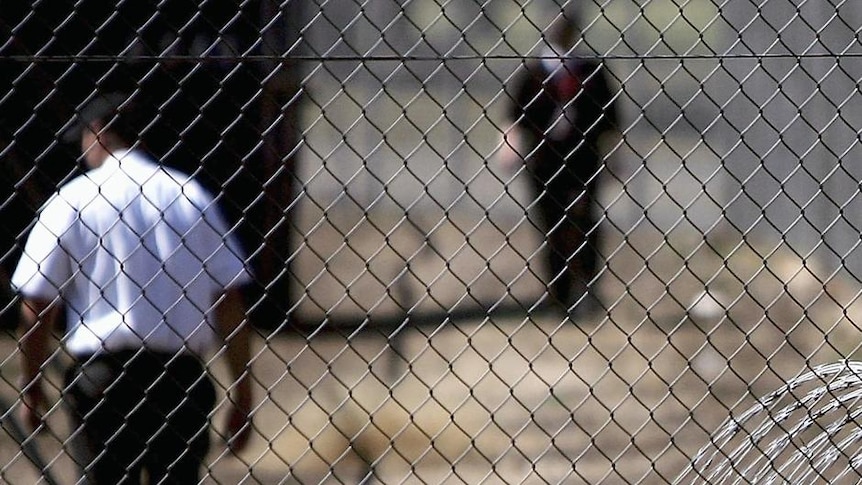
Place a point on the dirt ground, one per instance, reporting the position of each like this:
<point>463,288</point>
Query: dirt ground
<point>521,394</point>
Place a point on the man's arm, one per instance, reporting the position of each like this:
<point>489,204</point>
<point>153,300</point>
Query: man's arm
<point>511,155</point>
<point>234,330</point>
<point>37,322</point>
<point>523,95</point>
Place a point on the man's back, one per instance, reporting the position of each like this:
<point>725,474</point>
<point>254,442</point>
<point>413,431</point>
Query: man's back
<point>142,252</point>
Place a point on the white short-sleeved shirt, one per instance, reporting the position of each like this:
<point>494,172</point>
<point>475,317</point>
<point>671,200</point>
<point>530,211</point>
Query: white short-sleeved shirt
<point>138,253</point>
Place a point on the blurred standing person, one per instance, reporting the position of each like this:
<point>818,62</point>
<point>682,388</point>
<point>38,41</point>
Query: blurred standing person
<point>561,106</point>
<point>149,274</point>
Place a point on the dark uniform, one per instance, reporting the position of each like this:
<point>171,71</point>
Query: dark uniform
<point>561,110</point>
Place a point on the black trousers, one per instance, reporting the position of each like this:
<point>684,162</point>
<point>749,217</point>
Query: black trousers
<point>564,199</point>
<point>136,412</point>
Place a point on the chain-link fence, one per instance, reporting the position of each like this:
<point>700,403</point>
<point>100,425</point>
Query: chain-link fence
<point>480,254</point>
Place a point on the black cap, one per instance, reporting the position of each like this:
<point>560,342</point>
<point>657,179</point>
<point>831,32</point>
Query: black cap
<point>111,110</point>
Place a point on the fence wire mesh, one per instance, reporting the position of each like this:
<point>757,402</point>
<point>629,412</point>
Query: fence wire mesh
<point>458,279</point>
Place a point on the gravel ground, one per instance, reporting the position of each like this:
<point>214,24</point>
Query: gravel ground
<point>521,395</point>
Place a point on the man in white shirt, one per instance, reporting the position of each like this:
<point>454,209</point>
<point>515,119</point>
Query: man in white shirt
<point>149,274</point>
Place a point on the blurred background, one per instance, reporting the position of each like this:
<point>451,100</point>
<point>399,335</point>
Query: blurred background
<point>403,334</point>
